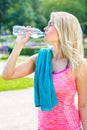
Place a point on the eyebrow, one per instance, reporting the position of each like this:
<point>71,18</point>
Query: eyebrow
<point>50,22</point>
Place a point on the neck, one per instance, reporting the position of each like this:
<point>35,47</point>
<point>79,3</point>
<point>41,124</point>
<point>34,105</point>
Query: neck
<point>56,53</point>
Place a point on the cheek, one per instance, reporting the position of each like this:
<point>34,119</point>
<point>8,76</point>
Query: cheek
<point>55,35</point>
<point>51,35</point>
<point>48,38</point>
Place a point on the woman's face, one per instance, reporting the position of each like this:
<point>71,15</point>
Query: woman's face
<point>51,34</point>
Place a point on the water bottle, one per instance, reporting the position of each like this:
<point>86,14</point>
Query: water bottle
<point>36,33</point>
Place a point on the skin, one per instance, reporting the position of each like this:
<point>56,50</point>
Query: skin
<point>82,96</point>
<point>13,71</point>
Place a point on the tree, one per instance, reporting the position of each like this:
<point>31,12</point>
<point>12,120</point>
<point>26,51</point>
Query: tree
<point>36,13</point>
<point>4,6</point>
<point>39,18</point>
<point>77,8</point>
<point>17,13</point>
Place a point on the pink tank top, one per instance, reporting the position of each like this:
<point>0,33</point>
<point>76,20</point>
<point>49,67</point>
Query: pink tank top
<point>65,116</point>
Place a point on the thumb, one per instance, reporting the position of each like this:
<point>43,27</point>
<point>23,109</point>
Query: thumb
<point>29,34</point>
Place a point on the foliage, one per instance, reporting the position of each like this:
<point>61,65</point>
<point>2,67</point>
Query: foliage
<point>37,12</point>
<point>29,51</point>
<point>3,58</point>
<point>16,84</point>
<point>84,28</point>
<point>78,8</point>
<point>21,13</point>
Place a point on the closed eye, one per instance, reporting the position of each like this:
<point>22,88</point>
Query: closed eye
<point>50,24</point>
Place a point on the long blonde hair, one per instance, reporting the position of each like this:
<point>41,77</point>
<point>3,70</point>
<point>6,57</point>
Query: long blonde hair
<point>70,38</point>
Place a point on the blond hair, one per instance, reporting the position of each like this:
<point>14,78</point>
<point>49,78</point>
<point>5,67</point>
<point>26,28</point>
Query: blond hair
<point>70,38</point>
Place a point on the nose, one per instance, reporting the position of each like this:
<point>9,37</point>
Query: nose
<point>45,28</point>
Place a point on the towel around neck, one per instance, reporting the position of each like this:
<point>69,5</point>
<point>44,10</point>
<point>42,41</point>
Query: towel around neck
<point>44,93</point>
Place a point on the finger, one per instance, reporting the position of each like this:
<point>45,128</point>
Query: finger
<point>28,29</point>
<point>25,35</point>
<point>29,34</point>
<point>21,33</point>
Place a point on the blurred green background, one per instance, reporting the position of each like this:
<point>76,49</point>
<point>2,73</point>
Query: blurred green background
<point>36,13</point>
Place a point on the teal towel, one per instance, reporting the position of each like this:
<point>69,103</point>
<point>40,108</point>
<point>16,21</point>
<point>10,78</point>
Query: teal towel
<point>44,93</point>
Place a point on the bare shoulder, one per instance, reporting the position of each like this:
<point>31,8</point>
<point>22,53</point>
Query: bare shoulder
<point>83,69</point>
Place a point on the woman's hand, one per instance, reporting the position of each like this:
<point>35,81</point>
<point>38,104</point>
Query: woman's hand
<point>23,37</point>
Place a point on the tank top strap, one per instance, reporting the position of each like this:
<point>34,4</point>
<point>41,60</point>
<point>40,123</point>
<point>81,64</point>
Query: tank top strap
<point>67,64</point>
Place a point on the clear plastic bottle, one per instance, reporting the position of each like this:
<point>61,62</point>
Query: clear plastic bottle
<point>36,33</point>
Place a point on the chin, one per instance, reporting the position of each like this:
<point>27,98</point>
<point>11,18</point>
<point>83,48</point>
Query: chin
<point>45,39</point>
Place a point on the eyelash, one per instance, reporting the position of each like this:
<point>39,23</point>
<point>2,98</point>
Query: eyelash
<point>50,24</point>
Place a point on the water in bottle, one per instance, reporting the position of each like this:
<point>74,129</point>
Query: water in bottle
<point>36,33</point>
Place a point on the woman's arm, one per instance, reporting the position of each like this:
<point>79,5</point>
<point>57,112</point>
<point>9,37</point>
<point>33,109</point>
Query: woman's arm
<point>82,93</point>
<point>13,71</point>
<point>83,114</point>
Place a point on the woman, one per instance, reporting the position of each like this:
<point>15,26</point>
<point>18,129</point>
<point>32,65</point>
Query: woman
<point>69,70</point>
